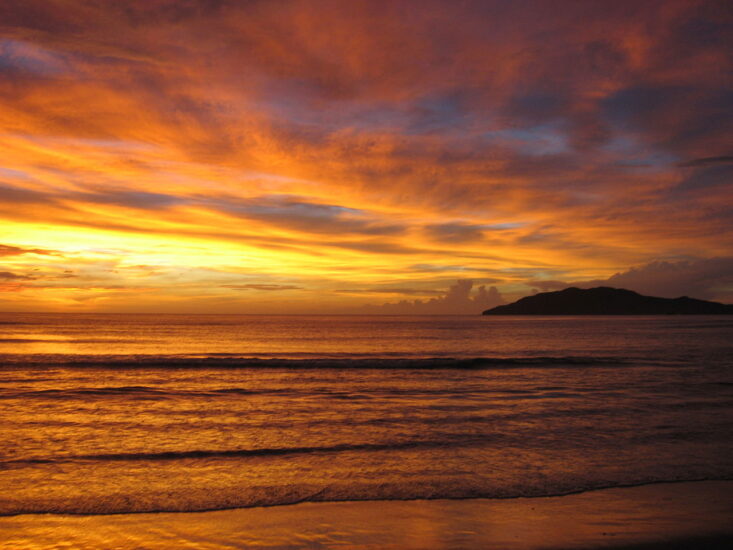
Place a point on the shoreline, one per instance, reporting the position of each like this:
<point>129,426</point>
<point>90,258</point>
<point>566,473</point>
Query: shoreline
<point>683,514</point>
<point>371,500</point>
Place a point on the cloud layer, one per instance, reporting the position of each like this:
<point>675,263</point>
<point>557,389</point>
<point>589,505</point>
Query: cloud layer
<point>181,152</point>
<point>458,300</point>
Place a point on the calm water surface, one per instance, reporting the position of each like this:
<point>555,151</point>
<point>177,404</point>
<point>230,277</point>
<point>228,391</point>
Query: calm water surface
<point>123,413</point>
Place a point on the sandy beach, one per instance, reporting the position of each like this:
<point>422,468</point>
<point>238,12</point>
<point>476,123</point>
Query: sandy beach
<point>666,515</point>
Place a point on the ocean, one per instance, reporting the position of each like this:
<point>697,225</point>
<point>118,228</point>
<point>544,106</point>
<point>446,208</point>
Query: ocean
<point>111,413</point>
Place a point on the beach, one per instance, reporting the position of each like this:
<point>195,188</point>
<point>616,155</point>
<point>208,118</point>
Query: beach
<point>667,515</point>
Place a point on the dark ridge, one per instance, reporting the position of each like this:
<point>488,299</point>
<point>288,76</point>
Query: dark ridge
<point>607,301</point>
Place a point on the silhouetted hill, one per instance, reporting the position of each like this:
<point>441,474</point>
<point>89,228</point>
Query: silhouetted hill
<point>606,301</point>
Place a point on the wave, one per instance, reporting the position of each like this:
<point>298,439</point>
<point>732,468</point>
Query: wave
<point>269,496</point>
<point>242,453</point>
<point>135,391</point>
<point>355,362</point>
<point>310,391</point>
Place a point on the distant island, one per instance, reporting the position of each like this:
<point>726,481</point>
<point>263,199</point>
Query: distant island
<point>607,301</point>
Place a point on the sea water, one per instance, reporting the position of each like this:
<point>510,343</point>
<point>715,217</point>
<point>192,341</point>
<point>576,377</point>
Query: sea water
<point>133,413</point>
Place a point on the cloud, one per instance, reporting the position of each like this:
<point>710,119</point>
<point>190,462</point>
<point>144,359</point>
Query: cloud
<point>130,199</point>
<point>391,290</point>
<point>458,300</point>
<point>8,250</point>
<point>432,268</point>
<point>706,161</point>
<point>301,215</point>
<point>455,232</point>
<point>257,286</point>
<point>8,276</point>
<point>16,196</point>
<point>346,141</point>
<point>21,57</point>
<point>710,278</point>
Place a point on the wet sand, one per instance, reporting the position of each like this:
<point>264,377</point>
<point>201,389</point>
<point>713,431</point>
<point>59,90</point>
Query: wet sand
<point>665,515</point>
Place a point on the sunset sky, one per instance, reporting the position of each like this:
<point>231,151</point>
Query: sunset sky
<point>334,156</point>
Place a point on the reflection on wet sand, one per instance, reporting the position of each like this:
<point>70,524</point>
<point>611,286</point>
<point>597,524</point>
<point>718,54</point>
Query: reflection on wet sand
<point>670,515</point>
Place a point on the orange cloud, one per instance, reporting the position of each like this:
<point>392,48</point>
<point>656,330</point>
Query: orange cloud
<point>320,146</point>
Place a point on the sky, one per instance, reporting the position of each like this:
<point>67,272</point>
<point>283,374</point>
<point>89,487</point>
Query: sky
<point>402,156</point>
